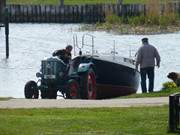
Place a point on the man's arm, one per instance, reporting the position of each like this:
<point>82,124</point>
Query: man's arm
<point>158,58</point>
<point>58,53</point>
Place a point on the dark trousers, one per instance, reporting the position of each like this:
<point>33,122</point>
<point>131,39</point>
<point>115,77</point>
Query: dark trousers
<point>149,71</point>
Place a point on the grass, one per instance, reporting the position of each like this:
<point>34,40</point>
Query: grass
<point>99,121</point>
<point>162,93</point>
<point>150,24</point>
<point>5,98</point>
<point>67,2</point>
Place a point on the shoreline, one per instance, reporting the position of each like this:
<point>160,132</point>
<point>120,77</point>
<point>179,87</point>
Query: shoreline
<point>126,29</point>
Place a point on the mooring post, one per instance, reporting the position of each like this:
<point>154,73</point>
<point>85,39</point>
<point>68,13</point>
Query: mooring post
<point>61,3</point>
<point>119,2</point>
<point>6,23</point>
<point>172,111</point>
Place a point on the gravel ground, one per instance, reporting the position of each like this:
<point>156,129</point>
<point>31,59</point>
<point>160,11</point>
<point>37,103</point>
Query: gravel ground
<point>62,103</point>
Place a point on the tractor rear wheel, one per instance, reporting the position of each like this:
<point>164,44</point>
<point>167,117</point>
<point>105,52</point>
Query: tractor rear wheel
<point>88,90</point>
<point>31,90</point>
<point>73,89</point>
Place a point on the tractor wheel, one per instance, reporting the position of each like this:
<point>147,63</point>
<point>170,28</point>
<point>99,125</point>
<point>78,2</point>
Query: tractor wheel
<point>88,90</point>
<point>52,94</point>
<point>44,94</point>
<point>31,90</point>
<point>73,89</point>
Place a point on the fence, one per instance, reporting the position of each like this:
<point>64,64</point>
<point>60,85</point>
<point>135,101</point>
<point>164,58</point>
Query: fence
<point>174,113</point>
<point>2,5</point>
<point>75,13</point>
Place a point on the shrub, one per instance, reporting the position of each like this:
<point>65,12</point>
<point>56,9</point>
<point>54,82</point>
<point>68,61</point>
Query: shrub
<point>113,19</point>
<point>169,85</point>
<point>137,20</point>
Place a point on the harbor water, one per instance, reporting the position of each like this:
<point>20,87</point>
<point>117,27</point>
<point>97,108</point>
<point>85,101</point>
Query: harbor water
<point>30,43</point>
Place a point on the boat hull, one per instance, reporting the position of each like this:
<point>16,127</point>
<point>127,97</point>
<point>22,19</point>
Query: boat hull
<point>112,79</point>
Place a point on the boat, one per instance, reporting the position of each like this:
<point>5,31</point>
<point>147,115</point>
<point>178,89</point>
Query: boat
<point>86,77</point>
<point>114,76</point>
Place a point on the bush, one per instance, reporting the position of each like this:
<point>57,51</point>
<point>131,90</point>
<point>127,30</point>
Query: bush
<point>113,19</point>
<point>169,85</point>
<point>166,20</point>
<point>137,20</point>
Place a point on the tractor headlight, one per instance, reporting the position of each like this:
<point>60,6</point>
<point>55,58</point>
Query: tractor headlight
<point>38,74</point>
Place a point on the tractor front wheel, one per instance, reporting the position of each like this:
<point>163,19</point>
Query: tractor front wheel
<point>31,90</point>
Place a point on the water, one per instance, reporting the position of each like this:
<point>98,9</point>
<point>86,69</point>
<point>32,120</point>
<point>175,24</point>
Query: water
<point>30,43</point>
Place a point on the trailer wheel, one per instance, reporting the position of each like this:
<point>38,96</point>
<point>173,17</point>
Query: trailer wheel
<point>31,90</point>
<point>89,85</point>
<point>73,89</point>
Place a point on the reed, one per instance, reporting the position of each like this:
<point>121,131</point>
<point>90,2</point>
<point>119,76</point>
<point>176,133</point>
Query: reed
<point>162,15</point>
<point>159,13</point>
<point>153,13</point>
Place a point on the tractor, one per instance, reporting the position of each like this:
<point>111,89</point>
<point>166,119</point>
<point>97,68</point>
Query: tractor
<point>76,80</point>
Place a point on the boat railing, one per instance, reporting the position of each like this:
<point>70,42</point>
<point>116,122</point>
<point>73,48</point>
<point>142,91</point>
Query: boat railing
<point>75,44</point>
<point>93,52</point>
<point>89,45</point>
<point>84,43</point>
<point>132,52</point>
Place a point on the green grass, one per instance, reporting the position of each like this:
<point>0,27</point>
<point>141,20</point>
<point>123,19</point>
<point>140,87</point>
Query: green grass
<point>5,98</point>
<point>55,2</point>
<point>99,121</point>
<point>162,93</point>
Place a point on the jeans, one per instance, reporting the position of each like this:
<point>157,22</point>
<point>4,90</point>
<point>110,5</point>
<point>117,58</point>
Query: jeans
<point>149,71</point>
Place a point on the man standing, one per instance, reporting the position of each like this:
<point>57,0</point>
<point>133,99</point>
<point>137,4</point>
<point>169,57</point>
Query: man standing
<point>146,56</point>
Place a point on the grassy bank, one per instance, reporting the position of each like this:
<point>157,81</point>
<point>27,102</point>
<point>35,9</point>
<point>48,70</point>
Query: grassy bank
<point>67,2</point>
<point>101,121</point>
<point>5,98</point>
<point>154,22</point>
<point>149,24</point>
<point>125,29</point>
<point>162,93</point>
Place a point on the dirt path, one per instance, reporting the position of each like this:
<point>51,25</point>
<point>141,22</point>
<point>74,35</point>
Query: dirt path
<point>62,103</point>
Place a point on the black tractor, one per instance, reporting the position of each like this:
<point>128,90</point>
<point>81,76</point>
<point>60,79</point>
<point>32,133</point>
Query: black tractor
<point>76,80</point>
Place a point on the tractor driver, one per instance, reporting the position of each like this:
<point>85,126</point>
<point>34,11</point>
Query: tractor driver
<point>64,54</point>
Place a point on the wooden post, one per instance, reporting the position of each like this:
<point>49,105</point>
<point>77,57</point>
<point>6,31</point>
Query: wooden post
<point>2,6</point>
<point>62,3</point>
<point>119,2</point>
<point>6,23</point>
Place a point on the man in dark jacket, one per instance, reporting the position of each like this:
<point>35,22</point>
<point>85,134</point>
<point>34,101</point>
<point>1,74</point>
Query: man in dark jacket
<point>64,54</point>
<point>146,56</point>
